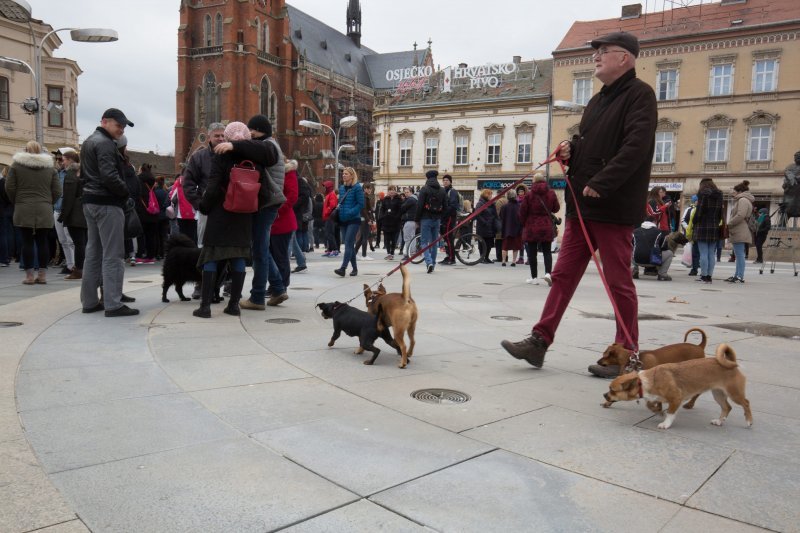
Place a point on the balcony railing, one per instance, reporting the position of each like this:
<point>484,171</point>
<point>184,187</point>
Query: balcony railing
<point>205,51</point>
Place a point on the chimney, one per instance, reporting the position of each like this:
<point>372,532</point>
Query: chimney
<point>517,60</point>
<point>632,11</point>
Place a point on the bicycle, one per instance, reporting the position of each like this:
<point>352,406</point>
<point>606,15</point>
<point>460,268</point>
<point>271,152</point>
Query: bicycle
<point>469,248</point>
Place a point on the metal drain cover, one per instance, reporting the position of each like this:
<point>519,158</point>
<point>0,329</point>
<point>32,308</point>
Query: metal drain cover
<point>282,320</point>
<point>10,324</point>
<point>506,317</point>
<point>301,288</point>
<point>441,396</point>
<point>470,296</point>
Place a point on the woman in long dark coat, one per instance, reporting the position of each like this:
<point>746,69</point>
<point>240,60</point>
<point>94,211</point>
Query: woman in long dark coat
<point>511,228</point>
<point>537,226</point>
<point>487,223</point>
<point>706,226</point>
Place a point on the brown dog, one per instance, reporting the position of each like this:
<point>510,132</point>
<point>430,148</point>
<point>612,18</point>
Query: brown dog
<point>674,382</point>
<point>617,354</point>
<point>396,310</point>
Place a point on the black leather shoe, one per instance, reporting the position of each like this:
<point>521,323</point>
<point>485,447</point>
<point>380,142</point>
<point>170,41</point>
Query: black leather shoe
<point>124,310</point>
<point>127,299</point>
<point>339,272</point>
<point>94,308</point>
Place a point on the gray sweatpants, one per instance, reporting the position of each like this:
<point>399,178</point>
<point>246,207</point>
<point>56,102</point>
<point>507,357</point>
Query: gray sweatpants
<point>105,251</point>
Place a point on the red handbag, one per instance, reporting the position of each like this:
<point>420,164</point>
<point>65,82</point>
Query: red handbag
<point>242,193</point>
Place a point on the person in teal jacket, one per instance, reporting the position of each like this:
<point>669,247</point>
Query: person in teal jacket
<point>351,203</point>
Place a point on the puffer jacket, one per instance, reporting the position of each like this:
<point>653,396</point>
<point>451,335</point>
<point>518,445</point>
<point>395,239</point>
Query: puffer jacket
<point>350,206</point>
<point>537,226</point>
<point>101,170</point>
<point>72,206</point>
<point>33,187</point>
<point>737,223</point>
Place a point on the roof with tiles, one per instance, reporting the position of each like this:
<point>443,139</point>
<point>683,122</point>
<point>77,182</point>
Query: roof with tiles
<point>717,17</point>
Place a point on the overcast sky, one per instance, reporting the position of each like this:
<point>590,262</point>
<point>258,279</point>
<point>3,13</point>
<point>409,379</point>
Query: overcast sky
<point>138,73</point>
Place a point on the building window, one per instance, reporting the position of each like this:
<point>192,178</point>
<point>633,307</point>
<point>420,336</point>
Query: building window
<point>208,34</point>
<point>218,27</point>
<point>524,144</point>
<point>265,36</point>
<point>665,147</point>
<point>211,99</point>
<point>263,98</point>
<point>405,152</point>
<point>462,150</point>
<point>431,151</point>
<point>55,117</point>
<point>259,46</point>
<point>759,143</point>
<point>376,153</point>
<point>716,145</point>
<point>765,75</point>
<point>721,79</point>
<point>4,101</point>
<point>493,149</point>
<point>582,90</point>
<point>667,84</point>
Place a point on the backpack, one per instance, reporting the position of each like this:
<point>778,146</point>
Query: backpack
<point>152,206</point>
<point>435,201</point>
<point>752,224</point>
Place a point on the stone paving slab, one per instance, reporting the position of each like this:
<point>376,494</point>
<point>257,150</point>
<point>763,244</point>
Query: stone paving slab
<point>40,389</point>
<point>229,371</point>
<point>754,489</point>
<point>171,348</point>
<point>691,520</point>
<point>370,452</point>
<point>358,517</point>
<point>241,487</point>
<point>658,463</point>
<point>502,491</point>
<point>340,366</point>
<point>73,526</point>
<point>75,436</point>
<point>58,353</point>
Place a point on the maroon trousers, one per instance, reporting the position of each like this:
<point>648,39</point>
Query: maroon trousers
<point>614,242</point>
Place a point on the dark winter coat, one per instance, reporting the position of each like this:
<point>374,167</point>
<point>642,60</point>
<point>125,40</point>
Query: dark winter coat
<point>536,222</point>
<point>301,206</point>
<point>408,211</point>
<point>487,221</point>
<point>613,152</point>
<point>509,219</point>
<point>195,175</point>
<point>101,171</point>
<point>644,240</point>
<point>146,182</point>
<point>72,206</point>
<point>430,188</point>
<point>708,216</point>
<point>391,207</point>
<point>33,187</point>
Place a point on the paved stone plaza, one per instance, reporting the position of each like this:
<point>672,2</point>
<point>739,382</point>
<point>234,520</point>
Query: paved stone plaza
<point>165,422</point>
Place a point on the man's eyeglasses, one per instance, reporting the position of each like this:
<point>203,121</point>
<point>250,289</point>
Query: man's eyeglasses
<point>602,52</point>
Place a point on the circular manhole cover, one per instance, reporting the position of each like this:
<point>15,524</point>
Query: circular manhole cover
<point>441,396</point>
<point>282,320</point>
<point>301,288</point>
<point>506,317</point>
<point>691,316</point>
<point>10,324</point>
<point>140,281</point>
<point>491,283</point>
<point>470,296</point>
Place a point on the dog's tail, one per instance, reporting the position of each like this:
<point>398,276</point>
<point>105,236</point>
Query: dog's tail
<point>179,240</point>
<point>406,283</point>
<point>702,343</point>
<point>726,357</point>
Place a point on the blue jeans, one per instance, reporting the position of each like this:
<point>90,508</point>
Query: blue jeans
<point>708,257</point>
<point>429,232</point>
<point>262,223</point>
<point>741,259</point>
<point>279,265</point>
<point>237,265</point>
<point>350,230</point>
<point>299,246</point>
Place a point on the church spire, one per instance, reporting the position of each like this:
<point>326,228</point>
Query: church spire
<point>354,21</point>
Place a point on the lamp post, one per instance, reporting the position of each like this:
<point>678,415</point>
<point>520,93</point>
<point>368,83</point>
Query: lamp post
<point>345,122</point>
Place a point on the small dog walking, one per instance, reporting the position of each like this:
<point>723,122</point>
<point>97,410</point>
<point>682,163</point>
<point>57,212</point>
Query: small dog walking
<point>357,323</point>
<point>395,309</point>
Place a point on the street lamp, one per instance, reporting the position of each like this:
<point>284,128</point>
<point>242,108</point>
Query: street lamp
<point>344,122</point>
<point>16,10</point>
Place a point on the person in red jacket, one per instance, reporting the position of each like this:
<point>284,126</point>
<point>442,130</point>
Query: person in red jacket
<point>331,201</point>
<point>658,207</point>
<point>280,238</point>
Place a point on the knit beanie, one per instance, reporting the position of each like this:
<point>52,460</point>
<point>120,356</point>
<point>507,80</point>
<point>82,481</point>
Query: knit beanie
<point>261,124</point>
<point>237,131</point>
<point>432,174</point>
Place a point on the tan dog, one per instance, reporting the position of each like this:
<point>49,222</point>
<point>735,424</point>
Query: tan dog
<point>396,310</point>
<point>674,382</point>
<point>617,354</point>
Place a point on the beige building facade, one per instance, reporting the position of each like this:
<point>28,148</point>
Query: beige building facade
<point>59,86</point>
<point>727,87</point>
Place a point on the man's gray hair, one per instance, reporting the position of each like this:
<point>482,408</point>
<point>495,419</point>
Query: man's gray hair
<point>215,126</point>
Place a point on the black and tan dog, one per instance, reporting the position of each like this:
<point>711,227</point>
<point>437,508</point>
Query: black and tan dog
<point>357,323</point>
<point>395,309</point>
<point>180,265</point>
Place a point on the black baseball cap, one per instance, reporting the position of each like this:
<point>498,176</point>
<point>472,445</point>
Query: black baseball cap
<point>117,115</point>
<point>623,39</point>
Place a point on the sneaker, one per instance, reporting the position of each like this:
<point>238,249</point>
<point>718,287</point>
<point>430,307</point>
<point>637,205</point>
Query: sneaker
<point>248,304</point>
<point>548,280</point>
<point>607,372</point>
<point>531,348</point>
<point>299,269</point>
<point>430,269</point>
<point>326,254</point>
<point>532,281</point>
<point>520,261</point>
<point>354,273</point>
<point>132,261</point>
<point>707,279</point>
<point>389,257</point>
<point>4,264</point>
<point>123,310</point>
<point>335,253</point>
<point>141,260</point>
<point>664,278</point>
<point>339,272</point>
<point>65,271</point>
<point>738,280</point>
<point>693,272</point>
<point>731,279</point>
<point>277,299</point>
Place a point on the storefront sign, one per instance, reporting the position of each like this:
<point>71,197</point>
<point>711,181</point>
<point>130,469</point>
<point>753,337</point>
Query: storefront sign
<point>400,74</point>
<point>488,75</point>
<point>668,185</point>
<point>557,183</point>
<point>498,184</point>
<point>411,84</point>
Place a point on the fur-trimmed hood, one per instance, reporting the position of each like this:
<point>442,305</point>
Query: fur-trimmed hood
<point>34,161</point>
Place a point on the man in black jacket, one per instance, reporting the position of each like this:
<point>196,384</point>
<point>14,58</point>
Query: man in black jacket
<point>430,208</point>
<point>196,173</point>
<point>450,218</point>
<point>104,196</point>
<point>609,169</point>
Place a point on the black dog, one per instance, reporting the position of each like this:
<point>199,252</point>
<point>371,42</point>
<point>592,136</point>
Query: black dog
<point>180,265</point>
<point>357,323</point>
